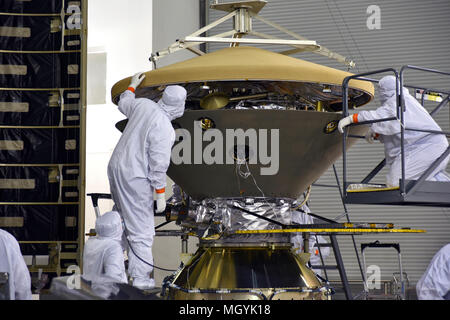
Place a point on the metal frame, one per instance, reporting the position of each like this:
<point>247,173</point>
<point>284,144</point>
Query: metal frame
<point>82,128</point>
<point>407,189</point>
<point>377,244</point>
<point>83,113</point>
<point>56,252</point>
<point>345,281</point>
<point>242,14</point>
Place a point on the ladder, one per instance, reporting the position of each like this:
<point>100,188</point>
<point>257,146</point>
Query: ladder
<point>339,264</point>
<point>335,245</point>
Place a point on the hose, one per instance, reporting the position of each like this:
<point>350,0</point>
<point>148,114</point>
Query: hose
<point>308,192</point>
<point>137,256</point>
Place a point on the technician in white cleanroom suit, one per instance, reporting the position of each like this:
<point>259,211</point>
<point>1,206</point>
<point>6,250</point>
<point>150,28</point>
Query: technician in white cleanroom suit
<point>11,261</point>
<point>435,282</point>
<point>138,167</point>
<point>103,258</point>
<point>421,148</point>
<point>302,217</point>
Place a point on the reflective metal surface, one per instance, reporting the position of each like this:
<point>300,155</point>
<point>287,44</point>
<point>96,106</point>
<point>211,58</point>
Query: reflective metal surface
<point>216,217</point>
<point>247,272</point>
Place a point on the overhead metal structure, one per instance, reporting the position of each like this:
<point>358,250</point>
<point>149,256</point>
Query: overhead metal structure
<point>242,13</point>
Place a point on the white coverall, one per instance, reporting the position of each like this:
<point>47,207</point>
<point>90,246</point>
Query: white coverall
<point>421,148</point>
<point>435,282</point>
<point>301,217</point>
<point>138,165</point>
<point>12,262</point>
<point>103,258</point>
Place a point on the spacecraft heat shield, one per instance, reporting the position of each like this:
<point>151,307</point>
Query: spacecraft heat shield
<point>244,64</point>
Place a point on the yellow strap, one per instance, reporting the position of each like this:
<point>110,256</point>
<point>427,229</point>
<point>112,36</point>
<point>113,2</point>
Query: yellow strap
<point>17,184</point>
<point>11,222</point>
<point>332,230</point>
<point>20,70</point>
<point>14,106</point>
<point>373,189</point>
<point>15,32</point>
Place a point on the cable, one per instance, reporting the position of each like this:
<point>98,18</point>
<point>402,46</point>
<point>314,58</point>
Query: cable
<point>308,192</point>
<point>247,174</point>
<point>339,30</point>
<point>188,269</point>
<point>137,256</point>
<point>351,36</point>
<point>94,199</point>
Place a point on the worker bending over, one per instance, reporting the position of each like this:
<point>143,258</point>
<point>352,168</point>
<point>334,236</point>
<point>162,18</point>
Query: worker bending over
<point>103,255</point>
<point>421,148</point>
<point>138,167</point>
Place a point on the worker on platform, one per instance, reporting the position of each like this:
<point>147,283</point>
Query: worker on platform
<point>421,148</point>
<point>103,255</point>
<point>301,216</point>
<point>12,262</point>
<point>138,168</point>
<point>435,282</point>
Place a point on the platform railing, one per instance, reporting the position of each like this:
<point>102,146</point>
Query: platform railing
<point>413,185</point>
<point>345,83</point>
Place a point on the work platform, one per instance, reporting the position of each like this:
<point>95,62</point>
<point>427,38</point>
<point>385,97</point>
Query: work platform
<point>418,192</point>
<point>427,193</point>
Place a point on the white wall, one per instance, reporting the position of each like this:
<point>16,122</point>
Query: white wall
<point>172,19</point>
<point>121,31</point>
<point>128,31</point>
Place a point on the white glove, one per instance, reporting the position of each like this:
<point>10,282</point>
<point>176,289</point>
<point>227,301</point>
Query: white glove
<point>160,202</point>
<point>371,136</point>
<point>345,122</point>
<point>136,80</point>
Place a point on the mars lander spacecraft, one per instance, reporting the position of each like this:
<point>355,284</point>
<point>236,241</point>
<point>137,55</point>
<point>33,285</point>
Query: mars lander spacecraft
<point>258,130</point>
<point>233,199</point>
